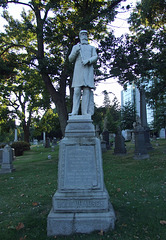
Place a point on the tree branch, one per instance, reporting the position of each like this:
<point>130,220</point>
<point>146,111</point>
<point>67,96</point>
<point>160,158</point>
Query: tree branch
<point>26,4</point>
<point>16,45</point>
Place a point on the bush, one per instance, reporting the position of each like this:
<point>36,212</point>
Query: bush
<point>20,147</point>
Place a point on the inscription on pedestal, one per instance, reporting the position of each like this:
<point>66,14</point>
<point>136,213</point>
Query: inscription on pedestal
<point>80,167</point>
<point>80,204</point>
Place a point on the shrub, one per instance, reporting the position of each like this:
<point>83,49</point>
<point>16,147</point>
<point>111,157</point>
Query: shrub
<point>20,147</point>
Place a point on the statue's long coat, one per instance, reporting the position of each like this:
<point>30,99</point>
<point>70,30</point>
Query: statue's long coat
<point>83,75</point>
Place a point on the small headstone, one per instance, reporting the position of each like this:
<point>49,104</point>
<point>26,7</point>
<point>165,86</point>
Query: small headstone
<point>44,138</point>
<point>52,148</point>
<point>54,141</point>
<point>103,146</point>
<point>47,145</point>
<point>140,146</point>
<point>106,138</point>
<point>162,133</point>
<point>119,143</point>
<point>15,135</point>
<point>1,152</point>
<point>97,131</point>
<point>35,142</point>
<point>7,158</point>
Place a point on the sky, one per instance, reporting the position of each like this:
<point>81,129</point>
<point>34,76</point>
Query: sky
<point>119,26</point>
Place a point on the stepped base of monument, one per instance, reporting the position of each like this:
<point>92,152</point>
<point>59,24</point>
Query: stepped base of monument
<point>6,170</point>
<point>70,223</point>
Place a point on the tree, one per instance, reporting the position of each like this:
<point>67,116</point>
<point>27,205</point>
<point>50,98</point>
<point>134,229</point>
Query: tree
<point>7,122</point>
<point>24,97</point>
<point>128,116</point>
<point>49,123</point>
<point>109,113</point>
<point>54,37</point>
<point>141,55</point>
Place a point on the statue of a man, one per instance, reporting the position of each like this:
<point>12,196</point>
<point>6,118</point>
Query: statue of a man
<point>84,56</point>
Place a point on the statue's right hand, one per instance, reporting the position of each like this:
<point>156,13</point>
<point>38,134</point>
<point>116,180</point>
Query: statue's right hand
<point>77,48</point>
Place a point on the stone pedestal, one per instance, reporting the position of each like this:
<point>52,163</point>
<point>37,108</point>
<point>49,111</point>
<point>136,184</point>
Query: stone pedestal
<point>140,146</point>
<point>81,203</point>
<point>143,116</point>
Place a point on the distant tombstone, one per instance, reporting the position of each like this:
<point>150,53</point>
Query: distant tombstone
<point>103,146</point>
<point>15,135</point>
<point>47,145</point>
<point>162,133</point>
<point>97,131</point>
<point>143,117</point>
<point>119,144</point>
<point>7,158</point>
<point>54,142</point>
<point>127,134</point>
<point>140,146</point>
<point>52,148</point>
<point>1,152</point>
<point>105,135</point>
<point>13,154</point>
<point>44,138</point>
<point>35,142</point>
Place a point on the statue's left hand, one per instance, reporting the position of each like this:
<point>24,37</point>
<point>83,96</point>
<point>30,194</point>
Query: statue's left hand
<point>85,62</point>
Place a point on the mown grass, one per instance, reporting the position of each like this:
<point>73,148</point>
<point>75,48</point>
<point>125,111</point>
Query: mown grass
<point>137,191</point>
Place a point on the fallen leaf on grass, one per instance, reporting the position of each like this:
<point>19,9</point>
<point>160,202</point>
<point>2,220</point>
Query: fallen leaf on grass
<point>35,204</point>
<point>20,226</point>
<point>124,225</point>
<point>162,222</point>
<point>118,189</point>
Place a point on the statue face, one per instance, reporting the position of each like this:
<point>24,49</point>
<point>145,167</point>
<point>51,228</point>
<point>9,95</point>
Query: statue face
<point>83,37</point>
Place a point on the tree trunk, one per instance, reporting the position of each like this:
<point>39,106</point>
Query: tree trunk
<point>26,133</point>
<point>58,97</point>
<point>59,100</point>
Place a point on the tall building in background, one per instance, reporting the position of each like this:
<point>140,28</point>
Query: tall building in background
<point>132,95</point>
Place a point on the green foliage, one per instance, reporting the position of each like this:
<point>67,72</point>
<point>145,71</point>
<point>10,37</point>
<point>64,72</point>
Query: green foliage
<point>49,123</point>
<point>20,147</point>
<point>43,41</point>
<point>108,117</point>
<point>153,12</point>
<point>128,116</point>
<point>6,120</point>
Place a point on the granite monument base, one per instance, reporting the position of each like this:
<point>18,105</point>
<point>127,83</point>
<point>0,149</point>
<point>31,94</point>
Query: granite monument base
<point>70,223</point>
<point>81,203</point>
<point>7,169</point>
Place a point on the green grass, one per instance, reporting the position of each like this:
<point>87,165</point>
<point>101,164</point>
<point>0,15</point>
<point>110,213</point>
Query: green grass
<point>137,190</point>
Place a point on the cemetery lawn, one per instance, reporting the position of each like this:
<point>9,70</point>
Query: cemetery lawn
<point>137,190</point>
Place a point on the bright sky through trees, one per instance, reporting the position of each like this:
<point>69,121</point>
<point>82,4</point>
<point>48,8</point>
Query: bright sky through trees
<point>119,26</point>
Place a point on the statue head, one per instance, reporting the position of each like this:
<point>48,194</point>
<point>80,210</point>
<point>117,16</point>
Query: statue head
<point>83,35</point>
